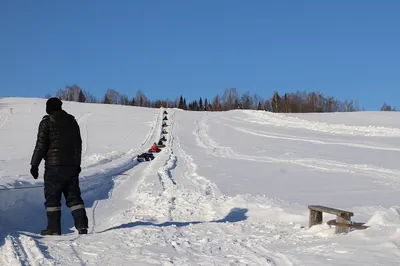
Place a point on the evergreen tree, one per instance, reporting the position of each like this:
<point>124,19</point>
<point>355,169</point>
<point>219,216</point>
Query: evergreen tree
<point>181,103</point>
<point>81,97</point>
<point>276,99</point>
<point>200,107</point>
<point>184,104</point>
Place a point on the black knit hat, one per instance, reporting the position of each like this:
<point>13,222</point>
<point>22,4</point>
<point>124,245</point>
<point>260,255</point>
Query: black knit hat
<point>53,104</point>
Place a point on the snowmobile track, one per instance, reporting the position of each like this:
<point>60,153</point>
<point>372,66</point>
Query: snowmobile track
<point>165,172</point>
<point>379,175</point>
<point>190,174</point>
<point>149,137</point>
<point>82,121</point>
<point>5,114</point>
<point>151,134</point>
<point>27,251</point>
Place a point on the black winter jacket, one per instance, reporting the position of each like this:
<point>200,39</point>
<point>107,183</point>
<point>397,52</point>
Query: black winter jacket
<point>58,141</point>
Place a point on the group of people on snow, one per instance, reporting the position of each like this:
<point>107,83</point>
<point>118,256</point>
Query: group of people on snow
<point>156,146</point>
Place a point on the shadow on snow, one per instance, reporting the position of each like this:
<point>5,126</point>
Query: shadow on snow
<point>235,215</point>
<point>24,210</point>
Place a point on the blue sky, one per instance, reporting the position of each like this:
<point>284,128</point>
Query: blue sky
<point>346,49</point>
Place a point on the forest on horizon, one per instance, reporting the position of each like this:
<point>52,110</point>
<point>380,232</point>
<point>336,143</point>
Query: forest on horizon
<point>230,99</point>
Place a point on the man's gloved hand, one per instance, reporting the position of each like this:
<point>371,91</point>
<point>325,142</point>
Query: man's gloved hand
<point>35,171</point>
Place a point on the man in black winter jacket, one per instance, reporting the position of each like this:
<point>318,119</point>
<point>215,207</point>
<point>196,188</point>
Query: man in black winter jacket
<point>59,143</point>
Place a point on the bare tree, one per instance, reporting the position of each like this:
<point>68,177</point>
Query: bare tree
<point>141,99</point>
<point>229,99</point>
<point>257,100</point>
<point>124,100</point>
<point>386,107</point>
<point>267,106</point>
<point>216,104</point>
<point>247,100</point>
<point>62,94</point>
<point>89,97</point>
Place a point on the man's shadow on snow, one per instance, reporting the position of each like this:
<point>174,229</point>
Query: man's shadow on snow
<point>235,215</point>
<point>29,214</point>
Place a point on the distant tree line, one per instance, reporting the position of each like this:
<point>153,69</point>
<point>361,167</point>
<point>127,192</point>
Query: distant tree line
<point>295,102</point>
<point>386,107</point>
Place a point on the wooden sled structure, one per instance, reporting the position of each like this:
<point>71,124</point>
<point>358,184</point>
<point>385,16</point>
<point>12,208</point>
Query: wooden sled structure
<point>343,221</point>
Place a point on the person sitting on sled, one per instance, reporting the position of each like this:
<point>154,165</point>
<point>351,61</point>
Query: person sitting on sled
<point>154,148</point>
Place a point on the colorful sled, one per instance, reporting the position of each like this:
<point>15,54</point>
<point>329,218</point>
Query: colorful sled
<point>145,157</point>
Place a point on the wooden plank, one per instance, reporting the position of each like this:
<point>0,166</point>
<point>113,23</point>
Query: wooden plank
<point>337,212</point>
<point>344,218</point>
<point>357,226</point>
<point>315,218</point>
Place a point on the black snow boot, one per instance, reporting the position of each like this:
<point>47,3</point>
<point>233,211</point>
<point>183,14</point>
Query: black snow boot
<point>81,220</point>
<point>53,223</point>
<point>82,231</point>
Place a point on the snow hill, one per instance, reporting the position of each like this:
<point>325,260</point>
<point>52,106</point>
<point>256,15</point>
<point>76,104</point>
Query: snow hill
<point>229,188</point>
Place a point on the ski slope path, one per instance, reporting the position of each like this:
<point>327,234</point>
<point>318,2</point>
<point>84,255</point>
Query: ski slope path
<point>229,188</point>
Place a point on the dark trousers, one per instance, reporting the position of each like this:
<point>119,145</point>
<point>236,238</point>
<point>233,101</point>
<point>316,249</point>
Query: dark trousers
<point>58,181</point>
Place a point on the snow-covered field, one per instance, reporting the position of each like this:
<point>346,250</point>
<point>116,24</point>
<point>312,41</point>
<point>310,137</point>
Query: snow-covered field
<point>229,188</point>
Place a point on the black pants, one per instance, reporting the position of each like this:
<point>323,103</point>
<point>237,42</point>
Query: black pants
<point>58,181</point>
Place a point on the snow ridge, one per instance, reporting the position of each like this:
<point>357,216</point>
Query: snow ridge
<point>283,120</point>
<point>380,175</point>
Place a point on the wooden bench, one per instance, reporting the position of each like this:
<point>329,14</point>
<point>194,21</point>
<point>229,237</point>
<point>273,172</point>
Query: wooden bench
<point>343,218</point>
<point>352,225</point>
